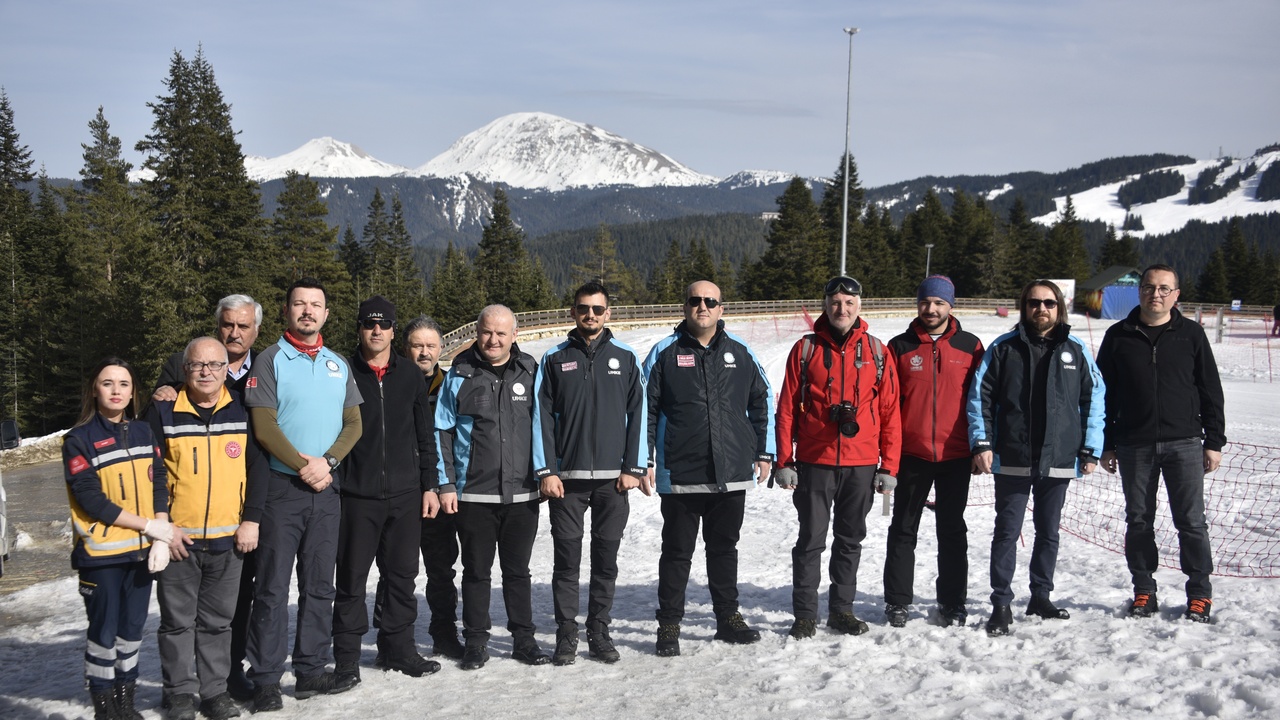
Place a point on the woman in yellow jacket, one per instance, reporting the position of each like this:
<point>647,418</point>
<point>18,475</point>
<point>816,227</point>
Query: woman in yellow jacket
<point>119,503</point>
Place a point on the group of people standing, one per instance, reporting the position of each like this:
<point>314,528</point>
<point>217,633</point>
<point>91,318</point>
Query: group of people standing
<point>247,464</point>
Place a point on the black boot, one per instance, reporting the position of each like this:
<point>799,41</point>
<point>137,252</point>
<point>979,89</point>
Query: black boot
<point>124,700</point>
<point>104,705</point>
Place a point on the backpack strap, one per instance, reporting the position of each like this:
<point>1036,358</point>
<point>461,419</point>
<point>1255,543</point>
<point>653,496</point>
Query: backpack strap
<point>806,354</point>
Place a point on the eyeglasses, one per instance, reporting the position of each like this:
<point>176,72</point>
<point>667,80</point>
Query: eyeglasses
<point>843,284</point>
<point>711,303</point>
<point>1161,291</point>
<point>214,366</point>
<point>1037,302</point>
<point>583,309</point>
<point>368,323</point>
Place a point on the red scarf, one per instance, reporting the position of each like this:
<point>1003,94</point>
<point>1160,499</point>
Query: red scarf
<point>310,350</point>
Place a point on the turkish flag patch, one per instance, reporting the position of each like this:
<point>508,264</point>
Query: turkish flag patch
<point>105,443</point>
<point>684,361</point>
<point>251,383</point>
<point>78,464</point>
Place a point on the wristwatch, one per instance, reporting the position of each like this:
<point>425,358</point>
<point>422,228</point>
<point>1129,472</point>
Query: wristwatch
<point>333,462</point>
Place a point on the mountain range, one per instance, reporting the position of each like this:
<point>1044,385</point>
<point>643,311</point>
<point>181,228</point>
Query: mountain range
<point>564,175</point>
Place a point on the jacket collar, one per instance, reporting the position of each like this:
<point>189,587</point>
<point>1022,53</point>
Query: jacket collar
<point>687,338</point>
<point>953,327</point>
<point>1134,319</point>
<point>822,328</point>
<point>469,361</point>
<point>1055,336</point>
<point>184,405</point>
<point>576,340</point>
<point>361,365</point>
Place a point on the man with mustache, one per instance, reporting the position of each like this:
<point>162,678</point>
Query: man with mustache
<point>1035,421</point>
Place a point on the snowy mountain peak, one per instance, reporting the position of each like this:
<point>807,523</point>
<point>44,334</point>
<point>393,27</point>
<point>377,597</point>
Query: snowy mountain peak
<point>322,157</point>
<point>756,178</point>
<point>543,151</point>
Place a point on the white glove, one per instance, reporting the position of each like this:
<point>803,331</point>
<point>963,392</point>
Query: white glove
<point>158,530</point>
<point>158,560</point>
<point>786,477</point>
<point>885,482</point>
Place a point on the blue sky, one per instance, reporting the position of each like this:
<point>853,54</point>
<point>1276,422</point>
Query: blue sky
<point>939,87</point>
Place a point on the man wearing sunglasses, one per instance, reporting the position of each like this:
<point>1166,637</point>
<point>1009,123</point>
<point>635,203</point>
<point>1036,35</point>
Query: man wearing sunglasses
<point>711,428</point>
<point>1164,418</point>
<point>839,442</point>
<point>589,434</point>
<point>1035,421</point>
<point>386,491</point>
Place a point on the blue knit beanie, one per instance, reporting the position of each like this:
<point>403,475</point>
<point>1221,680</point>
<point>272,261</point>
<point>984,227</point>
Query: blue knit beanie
<point>938,286</point>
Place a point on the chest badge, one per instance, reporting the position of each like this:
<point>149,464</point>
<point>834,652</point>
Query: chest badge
<point>518,388</point>
<point>567,366</point>
<point>684,361</point>
<point>233,449</point>
<point>729,359</point>
<point>1067,357</point>
<point>331,365</point>
<point>614,364</point>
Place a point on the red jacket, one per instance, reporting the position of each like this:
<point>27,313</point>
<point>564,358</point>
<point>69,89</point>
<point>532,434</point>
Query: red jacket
<point>807,434</point>
<point>935,379</point>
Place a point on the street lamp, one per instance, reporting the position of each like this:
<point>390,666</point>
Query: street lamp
<point>928,255</point>
<point>848,97</point>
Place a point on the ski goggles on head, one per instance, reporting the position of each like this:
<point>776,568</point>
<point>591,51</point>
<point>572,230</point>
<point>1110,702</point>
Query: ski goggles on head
<point>843,284</point>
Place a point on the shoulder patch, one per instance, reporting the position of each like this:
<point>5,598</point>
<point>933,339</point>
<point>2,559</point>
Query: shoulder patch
<point>77,464</point>
<point>252,382</point>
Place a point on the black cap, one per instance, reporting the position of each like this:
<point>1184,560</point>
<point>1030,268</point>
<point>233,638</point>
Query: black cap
<point>376,308</point>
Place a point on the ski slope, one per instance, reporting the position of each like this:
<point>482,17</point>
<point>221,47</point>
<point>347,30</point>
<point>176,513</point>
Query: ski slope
<point>1098,664</point>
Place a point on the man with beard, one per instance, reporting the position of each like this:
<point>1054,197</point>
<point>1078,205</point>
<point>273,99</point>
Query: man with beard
<point>589,450</point>
<point>1035,421</point>
<point>935,361</point>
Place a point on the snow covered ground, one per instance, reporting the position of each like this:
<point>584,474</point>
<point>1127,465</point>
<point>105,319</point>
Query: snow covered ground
<point>1098,664</point>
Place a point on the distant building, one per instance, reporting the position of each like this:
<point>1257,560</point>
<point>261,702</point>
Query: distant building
<point>1112,293</point>
<point>769,215</point>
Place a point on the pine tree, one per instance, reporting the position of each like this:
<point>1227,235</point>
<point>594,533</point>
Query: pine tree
<point>1212,285</point>
<point>1241,263</point>
<point>857,263</point>
<point>665,282</point>
<point>15,218</point>
<point>797,262</point>
<point>604,267</point>
<point>455,297</point>
<point>1118,250</point>
<point>503,266</point>
<point>1026,240</point>
<point>1065,254</point>
<point>43,310</point>
<point>929,224</point>
<point>302,244</point>
<point>206,210</point>
<point>376,241</point>
<point>404,283</point>
<point>353,257</point>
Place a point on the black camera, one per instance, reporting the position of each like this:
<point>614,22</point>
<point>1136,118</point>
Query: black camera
<point>845,415</point>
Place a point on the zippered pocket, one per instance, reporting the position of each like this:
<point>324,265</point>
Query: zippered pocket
<point>123,494</point>
<point>195,460</point>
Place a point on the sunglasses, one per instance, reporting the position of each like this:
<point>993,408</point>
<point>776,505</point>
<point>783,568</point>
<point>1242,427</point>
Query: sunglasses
<point>584,309</point>
<point>694,301</point>
<point>1037,302</point>
<point>843,284</point>
<point>368,323</point>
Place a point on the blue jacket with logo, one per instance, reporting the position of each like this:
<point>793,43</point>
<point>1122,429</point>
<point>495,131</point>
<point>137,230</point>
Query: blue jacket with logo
<point>710,413</point>
<point>484,427</point>
<point>591,421</point>
<point>1002,399</point>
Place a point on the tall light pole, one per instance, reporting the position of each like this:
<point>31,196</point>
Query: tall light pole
<point>848,98</point>
<point>928,255</point>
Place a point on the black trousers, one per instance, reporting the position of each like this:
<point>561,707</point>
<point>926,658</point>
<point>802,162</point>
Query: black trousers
<point>840,497</point>
<point>609,512</point>
<point>720,515</point>
<point>439,554</point>
<point>507,531</point>
<point>388,530</point>
<point>244,608</point>
<point>950,480</point>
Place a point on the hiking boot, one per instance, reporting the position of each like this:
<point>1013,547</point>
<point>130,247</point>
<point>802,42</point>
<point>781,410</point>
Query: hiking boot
<point>735,631</point>
<point>413,665</point>
<point>180,706</point>
<point>845,622</point>
<point>124,692</point>
<point>1144,605</point>
<point>474,657</point>
<point>803,628</point>
<point>528,652</point>
<point>348,671</point>
<point>1041,606</point>
<point>104,705</point>
<point>266,698</point>
<point>219,707</point>
<point>896,615</point>
<point>949,615</point>
<point>668,640</point>
<point>1001,618</point>
<point>600,645</point>
<point>447,644</point>
<point>566,644</point>
<point>239,684</point>
<point>1198,609</point>
<point>325,683</point>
